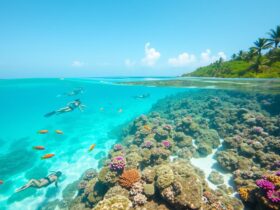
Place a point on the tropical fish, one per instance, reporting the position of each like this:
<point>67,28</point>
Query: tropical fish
<point>39,147</point>
<point>1,182</point>
<point>91,147</point>
<point>59,131</point>
<point>47,156</point>
<point>147,127</point>
<point>43,131</point>
<point>120,111</point>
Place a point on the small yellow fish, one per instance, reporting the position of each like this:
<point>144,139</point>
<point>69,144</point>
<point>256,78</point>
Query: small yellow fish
<point>147,127</point>
<point>43,131</point>
<point>91,147</point>
<point>59,131</point>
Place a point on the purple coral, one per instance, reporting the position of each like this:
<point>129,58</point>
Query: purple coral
<point>166,143</point>
<point>277,173</point>
<point>265,184</point>
<point>273,196</point>
<point>117,163</point>
<point>257,129</point>
<point>118,147</point>
<point>148,144</point>
<point>276,165</point>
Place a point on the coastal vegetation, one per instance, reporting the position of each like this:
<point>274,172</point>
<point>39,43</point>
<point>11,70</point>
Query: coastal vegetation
<point>260,61</point>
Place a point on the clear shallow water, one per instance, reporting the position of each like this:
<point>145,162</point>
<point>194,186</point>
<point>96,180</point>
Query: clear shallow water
<point>22,109</point>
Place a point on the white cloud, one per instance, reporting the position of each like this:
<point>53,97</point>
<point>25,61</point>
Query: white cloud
<point>78,63</point>
<point>151,55</point>
<point>183,59</point>
<point>206,57</point>
<point>129,63</point>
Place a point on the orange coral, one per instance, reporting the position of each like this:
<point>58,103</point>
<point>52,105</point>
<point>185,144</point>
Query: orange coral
<point>244,193</point>
<point>129,177</point>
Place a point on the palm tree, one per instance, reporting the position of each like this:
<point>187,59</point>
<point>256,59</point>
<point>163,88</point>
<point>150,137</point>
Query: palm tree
<point>234,56</point>
<point>241,55</point>
<point>274,36</point>
<point>251,54</point>
<point>259,64</point>
<point>261,44</point>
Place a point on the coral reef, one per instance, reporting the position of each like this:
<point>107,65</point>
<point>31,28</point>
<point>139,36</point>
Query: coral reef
<point>117,202</point>
<point>150,166</point>
<point>117,163</point>
<point>129,177</point>
<point>215,178</point>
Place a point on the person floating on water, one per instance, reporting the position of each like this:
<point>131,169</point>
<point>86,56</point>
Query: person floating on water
<point>69,108</point>
<point>142,96</point>
<point>44,182</point>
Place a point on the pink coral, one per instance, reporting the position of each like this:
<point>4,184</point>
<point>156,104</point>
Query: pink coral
<point>166,143</point>
<point>265,184</point>
<point>148,144</point>
<point>257,130</point>
<point>117,163</point>
<point>118,147</point>
<point>273,196</point>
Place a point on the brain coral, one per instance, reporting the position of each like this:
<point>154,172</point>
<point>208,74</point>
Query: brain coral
<point>165,176</point>
<point>129,177</point>
<point>117,202</point>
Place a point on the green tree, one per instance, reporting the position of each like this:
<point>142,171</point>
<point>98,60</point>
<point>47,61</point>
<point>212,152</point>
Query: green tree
<point>259,64</point>
<point>261,44</point>
<point>274,37</point>
<point>241,55</point>
<point>251,54</point>
<point>234,56</point>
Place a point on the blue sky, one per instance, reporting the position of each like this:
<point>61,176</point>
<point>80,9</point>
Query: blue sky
<point>71,38</point>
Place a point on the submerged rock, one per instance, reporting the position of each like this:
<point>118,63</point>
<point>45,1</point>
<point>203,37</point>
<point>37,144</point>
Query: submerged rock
<point>215,178</point>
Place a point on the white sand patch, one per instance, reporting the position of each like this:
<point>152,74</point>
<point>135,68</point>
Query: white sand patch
<point>172,158</point>
<point>207,165</point>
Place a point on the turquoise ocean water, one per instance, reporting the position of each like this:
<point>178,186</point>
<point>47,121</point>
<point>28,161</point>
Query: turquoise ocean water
<point>22,108</point>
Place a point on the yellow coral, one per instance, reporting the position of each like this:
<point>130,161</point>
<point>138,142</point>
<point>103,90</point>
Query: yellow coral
<point>129,177</point>
<point>274,179</point>
<point>244,193</point>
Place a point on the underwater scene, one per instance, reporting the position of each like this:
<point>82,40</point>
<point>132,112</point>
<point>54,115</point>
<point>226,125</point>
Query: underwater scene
<point>139,143</point>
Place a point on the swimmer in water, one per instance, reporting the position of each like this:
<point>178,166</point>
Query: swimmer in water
<point>69,108</point>
<point>142,96</point>
<point>44,182</point>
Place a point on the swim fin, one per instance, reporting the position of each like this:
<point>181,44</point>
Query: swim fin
<point>50,114</point>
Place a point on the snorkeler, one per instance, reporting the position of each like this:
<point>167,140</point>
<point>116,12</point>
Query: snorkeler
<point>70,107</point>
<point>143,96</point>
<point>44,182</point>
